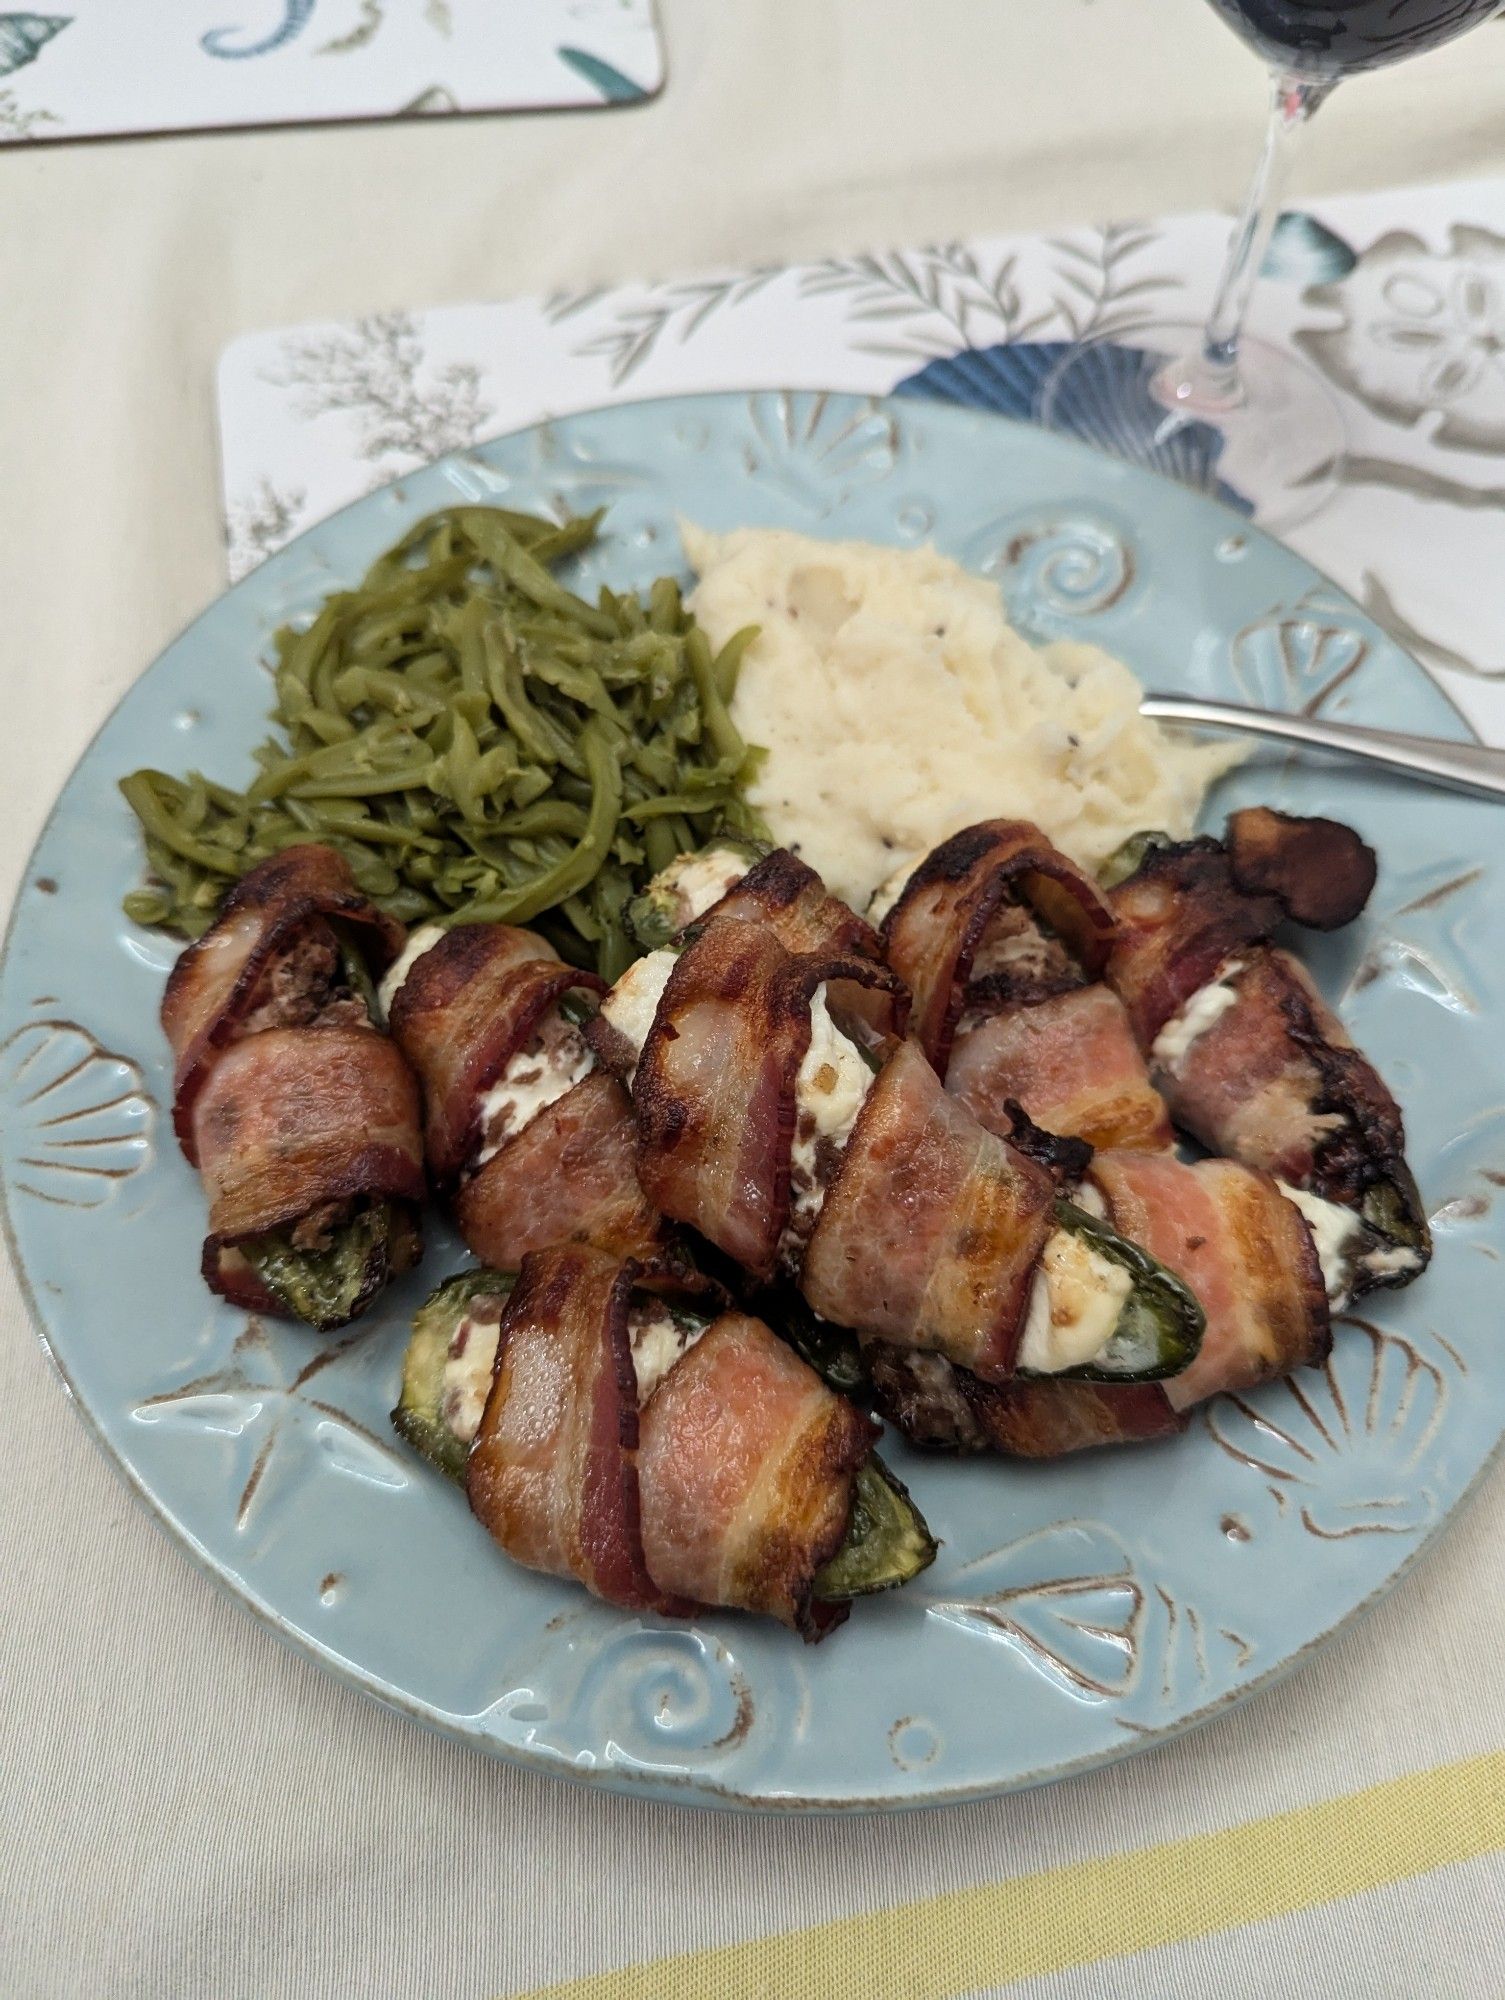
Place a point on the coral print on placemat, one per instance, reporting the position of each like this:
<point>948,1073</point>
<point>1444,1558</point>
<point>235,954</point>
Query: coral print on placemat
<point>129,66</point>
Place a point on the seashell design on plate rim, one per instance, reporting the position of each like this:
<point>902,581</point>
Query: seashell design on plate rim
<point>814,451</point>
<point>1301,657</point>
<point>1431,956</point>
<point>1072,1602</point>
<point>1345,1448</point>
<point>565,475</point>
<point>79,1119</point>
<point>1066,1600</point>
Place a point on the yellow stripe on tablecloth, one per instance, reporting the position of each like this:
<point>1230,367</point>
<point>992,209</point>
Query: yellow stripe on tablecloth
<point>1063,1917</point>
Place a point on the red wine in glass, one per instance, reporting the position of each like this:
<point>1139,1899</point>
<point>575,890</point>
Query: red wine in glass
<point>1337,40</point>
<point>1271,428</point>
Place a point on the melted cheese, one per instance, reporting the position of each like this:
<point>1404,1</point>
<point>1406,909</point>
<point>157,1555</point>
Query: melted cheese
<point>418,943</point>
<point>697,882</point>
<point>632,1003</point>
<point>888,893</point>
<point>1074,1305</point>
<point>829,1088</point>
<point>554,1062</point>
<point>1393,1261</point>
<point>1206,1006</point>
<point>1341,1238</point>
<point>658,1340</point>
<point>1336,1231</point>
<point>467,1375</point>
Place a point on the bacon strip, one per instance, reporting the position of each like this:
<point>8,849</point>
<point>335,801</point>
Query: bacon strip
<point>291,1120</point>
<point>1243,1249</point>
<point>932,1228</point>
<point>746,1464</point>
<point>470,1004</point>
<point>553,1472</point>
<point>1071,1062</point>
<point>785,894</point>
<point>217,980</point>
<point>1275,1081</point>
<point>937,932</point>
<point>1178,920</point>
<point>787,897</point>
<point>714,1091</point>
<point>940,1407</point>
<point>732,1487</point>
<point>570,1176</point>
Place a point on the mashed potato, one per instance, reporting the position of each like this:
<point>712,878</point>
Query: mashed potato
<point>897,704</point>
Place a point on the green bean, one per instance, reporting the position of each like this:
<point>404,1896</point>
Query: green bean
<point>718,723</point>
<point>678,802</point>
<point>728,662</point>
<point>141,795</point>
<point>477,740</point>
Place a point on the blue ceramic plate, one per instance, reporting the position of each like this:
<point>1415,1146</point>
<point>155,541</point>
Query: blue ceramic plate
<point>1076,1610</point>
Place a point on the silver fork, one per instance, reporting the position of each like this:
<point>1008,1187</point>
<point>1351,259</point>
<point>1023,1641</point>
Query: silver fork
<point>1434,760</point>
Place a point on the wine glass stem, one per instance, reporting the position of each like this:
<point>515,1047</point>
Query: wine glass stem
<point>1293,99</point>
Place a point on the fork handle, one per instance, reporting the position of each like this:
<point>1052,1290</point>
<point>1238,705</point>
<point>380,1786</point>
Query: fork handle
<point>1463,767</point>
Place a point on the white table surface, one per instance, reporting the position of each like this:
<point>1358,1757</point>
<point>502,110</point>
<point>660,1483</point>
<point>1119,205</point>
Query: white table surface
<point>187,1807</point>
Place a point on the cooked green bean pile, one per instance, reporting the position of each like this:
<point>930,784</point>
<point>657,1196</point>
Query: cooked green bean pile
<point>480,744</point>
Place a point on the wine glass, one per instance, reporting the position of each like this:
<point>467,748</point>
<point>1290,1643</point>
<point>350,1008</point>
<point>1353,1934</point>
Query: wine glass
<point>1212,402</point>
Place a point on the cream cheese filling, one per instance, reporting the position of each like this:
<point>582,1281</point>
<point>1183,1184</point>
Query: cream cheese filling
<point>537,1076</point>
<point>632,1003</point>
<point>418,943</point>
<point>1074,1305</point>
<point>1203,1010</point>
<point>697,882</point>
<point>830,1087</point>
<point>467,1375</point>
<point>658,1340</point>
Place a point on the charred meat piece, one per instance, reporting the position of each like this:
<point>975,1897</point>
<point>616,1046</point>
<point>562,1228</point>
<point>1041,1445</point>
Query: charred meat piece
<point>1320,870</point>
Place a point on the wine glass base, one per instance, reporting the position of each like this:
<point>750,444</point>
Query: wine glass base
<point>1270,441</point>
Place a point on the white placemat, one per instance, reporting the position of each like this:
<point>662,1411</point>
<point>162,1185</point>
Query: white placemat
<point>1399,298</point>
<point>112,67</point>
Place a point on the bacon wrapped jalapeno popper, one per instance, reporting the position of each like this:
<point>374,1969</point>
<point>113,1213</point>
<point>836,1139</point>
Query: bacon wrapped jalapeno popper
<point>300,1114</point>
<point>532,1142</point>
<point>1249,1057</point>
<point>773,1117</point>
<point>1237,1245</point>
<point>612,1421</point>
<point>1003,941</point>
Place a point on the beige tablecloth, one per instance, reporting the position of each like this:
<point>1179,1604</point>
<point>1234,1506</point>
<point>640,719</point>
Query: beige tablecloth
<point>187,1807</point>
